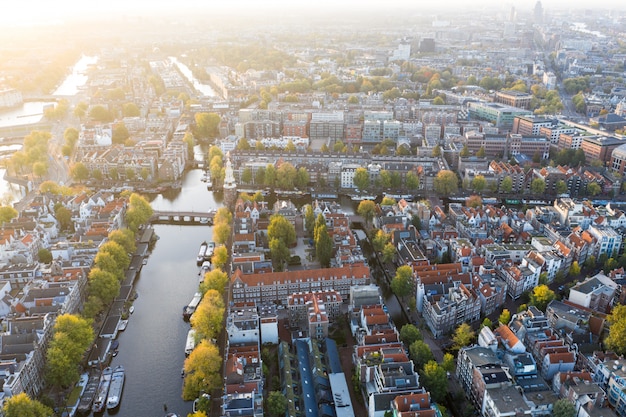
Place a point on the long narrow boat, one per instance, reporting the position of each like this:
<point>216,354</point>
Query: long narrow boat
<point>202,253</point>
<point>103,389</point>
<point>189,309</point>
<point>84,405</point>
<point>116,388</point>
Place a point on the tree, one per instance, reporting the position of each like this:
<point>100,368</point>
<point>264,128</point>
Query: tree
<point>366,209</point>
<point>593,189</point>
<point>389,251</point>
<point>474,201</point>
<point>574,269</point>
<point>117,251</point>
<point>479,183</point>
<point>72,336</point>
<point>44,256</point>
<point>202,370</point>
<point>101,114</point>
<point>616,340</point>
<point>420,353</point>
<point>120,133</point>
<point>435,380</point>
<point>448,362</point>
<point>309,219</point>
<point>302,178</point>
<point>79,172</point>
<point>505,316</point>
<point>486,323</point>
<point>276,404</point>
<point>209,315</point>
<point>412,181</point>
<point>402,282</point>
<point>220,256</point>
<point>537,186</point>
<point>409,334</point>
<point>506,186</point>
<point>481,152</point>
<point>21,405</point>
<point>361,179</point>
<point>81,109</point>
<point>125,238</point>
<point>541,297</point>
<point>221,233</point>
<point>7,213</point>
<point>214,280</point>
<point>436,151</point>
<point>40,169</point>
<point>130,110</point>
<point>464,152</point>
<point>446,182</point>
<point>106,262</point>
<point>323,247</point>
<point>270,175</point>
<point>563,408</point>
<point>207,125</point>
<point>138,213</point>
<point>103,285</point>
<point>560,187</point>
<point>279,253</point>
<point>463,336</point>
<point>282,229</point>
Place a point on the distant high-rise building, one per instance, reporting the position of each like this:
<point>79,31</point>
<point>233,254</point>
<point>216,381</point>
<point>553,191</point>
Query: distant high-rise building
<point>513,15</point>
<point>538,12</point>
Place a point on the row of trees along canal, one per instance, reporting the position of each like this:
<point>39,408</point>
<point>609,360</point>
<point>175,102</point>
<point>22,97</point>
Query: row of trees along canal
<point>73,334</point>
<point>202,367</point>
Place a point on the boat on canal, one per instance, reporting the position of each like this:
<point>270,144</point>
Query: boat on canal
<point>100,400</point>
<point>86,400</point>
<point>209,251</point>
<point>190,308</point>
<point>202,253</point>
<point>116,388</point>
<point>191,342</point>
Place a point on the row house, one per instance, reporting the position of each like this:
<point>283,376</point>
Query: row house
<point>503,170</point>
<point>518,279</point>
<point>444,313</point>
<point>276,287</point>
<point>596,293</point>
<point>579,388</point>
<point>314,311</point>
<point>414,405</point>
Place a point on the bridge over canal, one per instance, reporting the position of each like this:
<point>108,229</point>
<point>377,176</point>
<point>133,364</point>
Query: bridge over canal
<point>182,217</point>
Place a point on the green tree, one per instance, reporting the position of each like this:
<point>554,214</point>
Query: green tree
<point>280,228</point>
<point>120,133</point>
<point>202,370</point>
<point>246,176</point>
<point>207,125</point>
<point>436,151</point>
<point>221,233</point>
<point>279,253</point>
<point>302,178</point>
<point>486,323</point>
<point>106,262</point>
<point>420,353</point>
<point>361,179</point>
<point>563,407</point>
<point>446,182</point>
<point>101,114</point>
<point>270,175</point>
<point>435,380</point>
<point>464,152</point>
<point>125,238</point>
<point>537,186</point>
<point>463,336</point>
<point>574,269</point>
<point>412,181</point>
<point>70,135</point>
<point>309,219</point>
<point>81,110</point>
<point>409,334</point>
<point>79,172</point>
<point>138,213</point>
<point>506,186</point>
<point>389,251</point>
<point>276,404</point>
<point>44,256</point>
<point>379,240</point>
<point>214,280</point>
<point>560,187</point>
<point>593,189</point>
<point>324,247</point>
<point>616,339</point>
<point>505,316</point>
<point>21,405</point>
<point>103,285</point>
<point>448,363</point>
<point>220,256</point>
<point>481,152</point>
<point>7,213</point>
<point>541,296</point>
<point>479,183</point>
<point>402,282</point>
<point>117,251</point>
<point>366,209</point>
<point>130,110</point>
<point>209,315</point>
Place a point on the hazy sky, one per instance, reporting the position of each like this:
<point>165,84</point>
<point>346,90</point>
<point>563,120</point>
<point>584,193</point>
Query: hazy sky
<point>25,12</point>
